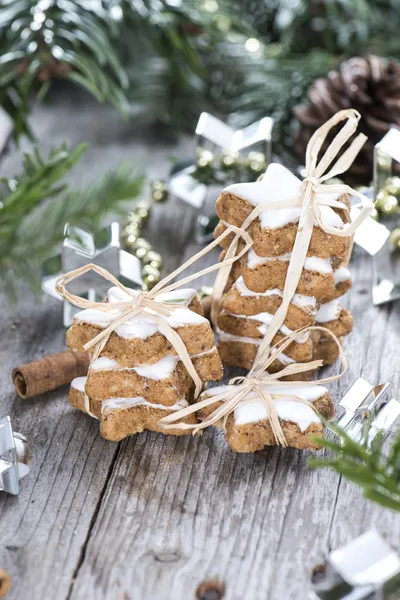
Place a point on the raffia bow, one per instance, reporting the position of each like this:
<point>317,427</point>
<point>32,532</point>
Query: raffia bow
<point>258,380</point>
<point>149,303</point>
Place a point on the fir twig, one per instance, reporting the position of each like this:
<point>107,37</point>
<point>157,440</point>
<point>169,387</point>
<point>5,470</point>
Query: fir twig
<point>36,205</point>
<point>376,473</point>
<point>43,40</point>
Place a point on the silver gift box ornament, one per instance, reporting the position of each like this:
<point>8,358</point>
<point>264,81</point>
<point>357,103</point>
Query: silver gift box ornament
<point>371,236</point>
<point>214,133</point>
<point>365,568</point>
<point>80,248</point>
<point>386,286</point>
<point>15,458</point>
<point>364,403</point>
<point>385,152</point>
<point>216,136</point>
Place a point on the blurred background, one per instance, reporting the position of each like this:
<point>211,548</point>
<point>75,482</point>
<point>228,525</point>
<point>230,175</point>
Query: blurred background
<point>99,97</point>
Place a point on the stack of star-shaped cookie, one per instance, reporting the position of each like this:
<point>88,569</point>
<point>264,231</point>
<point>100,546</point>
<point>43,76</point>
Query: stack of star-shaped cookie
<point>138,377</point>
<point>258,279</point>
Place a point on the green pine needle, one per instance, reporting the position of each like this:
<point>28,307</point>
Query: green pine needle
<point>39,196</point>
<point>376,473</point>
<point>42,41</point>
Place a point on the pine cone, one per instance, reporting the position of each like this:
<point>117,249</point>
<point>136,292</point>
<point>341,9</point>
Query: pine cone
<point>371,85</point>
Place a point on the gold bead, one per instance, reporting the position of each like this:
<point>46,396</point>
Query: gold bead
<point>381,199</point>
<point>159,192</point>
<point>395,239</point>
<point>374,214</point>
<point>132,228</point>
<point>140,253</point>
<point>204,158</point>
<point>143,213</point>
<point>259,156</point>
<point>393,185</point>
<point>154,259</point>
<point>149,281</point>
<point>256,162</point>
<point>148,270</point>
<point>131,240</point>
<point>143,204</point>
<point>229,160</point>
<point>256,167</point>
<point>390,205</point>
<point>135,219</point>
<point>142,243</point>
<point>158,184</point>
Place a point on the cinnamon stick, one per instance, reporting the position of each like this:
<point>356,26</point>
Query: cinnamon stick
<point>49,373</point>
<point>5,583</point>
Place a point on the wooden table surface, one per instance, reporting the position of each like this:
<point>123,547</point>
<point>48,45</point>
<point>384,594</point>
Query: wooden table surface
<point>153,517</point>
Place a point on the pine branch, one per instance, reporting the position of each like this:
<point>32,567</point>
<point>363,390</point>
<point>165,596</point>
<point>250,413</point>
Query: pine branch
<point>376,473</point>
<point>40,41</point>
<point>302,41</point>
<point>335,26</point>
<point>168,64</point>
<point>39,196</point>
<point>161,44</point>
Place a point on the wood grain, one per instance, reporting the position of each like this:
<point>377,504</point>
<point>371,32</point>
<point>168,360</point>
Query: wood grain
<point>153,517</point>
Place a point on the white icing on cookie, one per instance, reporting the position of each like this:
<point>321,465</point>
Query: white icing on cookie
<point>312,263</point>
<point>159,370</point>
<point>266,318</point>
<point>278,185</point>
<point>142,326</point>
<point>105,364</point>
<point>229,337</point>
<point>253,259</point>
<point>79,384</point>
<point>341,274</point>
<point>185,295</point>
<point>330,311</point>
<point>320,265</point>
<point>124,403</point>
<point>162,369</point>
<point>288,409</point>
<point>300,300</point>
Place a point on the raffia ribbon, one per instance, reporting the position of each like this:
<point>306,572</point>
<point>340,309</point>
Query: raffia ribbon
<point>256,381</point>
<point>310,200</point>
<point>149,303</point>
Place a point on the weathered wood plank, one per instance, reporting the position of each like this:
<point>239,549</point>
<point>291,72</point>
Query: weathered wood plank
<point>42,530</point>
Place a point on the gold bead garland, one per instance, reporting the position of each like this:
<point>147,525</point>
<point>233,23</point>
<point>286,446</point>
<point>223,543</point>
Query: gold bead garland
<point>387,205</point>
<point>387,200</point>
<point>395,239</point>
<point>159,192</point>
<point>223,168</point>
<point>133,241</point>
